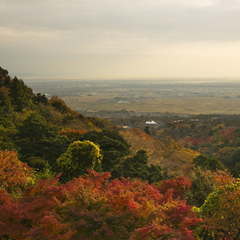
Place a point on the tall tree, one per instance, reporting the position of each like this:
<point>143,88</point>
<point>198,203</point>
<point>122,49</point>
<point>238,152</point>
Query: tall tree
<point>113,146</point>
<point>5,103</point>
<point>137,167</point>
<point>21,95</point>
<point>79,157</point>
<point>38,139</point>
<point>221,210</point>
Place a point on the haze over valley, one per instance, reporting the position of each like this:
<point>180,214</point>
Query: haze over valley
<point>144,96</point>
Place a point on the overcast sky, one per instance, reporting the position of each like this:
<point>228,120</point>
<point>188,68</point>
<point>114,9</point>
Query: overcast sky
<point>115,39</point>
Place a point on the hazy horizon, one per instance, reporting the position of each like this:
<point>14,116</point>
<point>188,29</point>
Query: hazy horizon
<point>149,80</point>
<point>128,39</point>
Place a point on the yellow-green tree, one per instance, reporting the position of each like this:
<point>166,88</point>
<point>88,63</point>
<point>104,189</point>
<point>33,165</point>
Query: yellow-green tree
<point>221,210</point>
<point>80,156</point>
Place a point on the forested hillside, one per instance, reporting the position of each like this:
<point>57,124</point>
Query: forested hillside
<point>67,176</point>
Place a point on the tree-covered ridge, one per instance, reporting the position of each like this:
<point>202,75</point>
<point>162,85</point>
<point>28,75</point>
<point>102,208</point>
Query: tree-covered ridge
<point>213,135</point>
<point>67,176</point>
<point>42,131</point>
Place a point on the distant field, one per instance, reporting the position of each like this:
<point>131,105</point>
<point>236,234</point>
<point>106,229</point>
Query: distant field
<point>188,105</point>
<point>142,96</point>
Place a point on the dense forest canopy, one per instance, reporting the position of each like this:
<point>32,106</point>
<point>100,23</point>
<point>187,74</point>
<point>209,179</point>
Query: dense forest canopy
<point>67,176</point>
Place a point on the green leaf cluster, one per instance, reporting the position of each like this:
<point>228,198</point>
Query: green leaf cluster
<point>208,163</point>
<point>113,146</point>
<point>137,167</point>
<point>80,156</point>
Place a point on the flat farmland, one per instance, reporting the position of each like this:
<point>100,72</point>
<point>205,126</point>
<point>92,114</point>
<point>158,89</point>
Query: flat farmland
<point>145,96</point>
<point>185,105</point>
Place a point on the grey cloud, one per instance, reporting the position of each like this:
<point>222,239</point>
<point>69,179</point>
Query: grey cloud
<point>183,20</point>
<point>41,34</point>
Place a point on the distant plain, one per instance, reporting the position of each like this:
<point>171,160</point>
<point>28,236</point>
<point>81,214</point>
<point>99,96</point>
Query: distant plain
<point>145,96</point>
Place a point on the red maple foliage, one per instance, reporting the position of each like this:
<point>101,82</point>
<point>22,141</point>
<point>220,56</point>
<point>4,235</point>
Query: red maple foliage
<point>92,207</point>
<point>177,185</point>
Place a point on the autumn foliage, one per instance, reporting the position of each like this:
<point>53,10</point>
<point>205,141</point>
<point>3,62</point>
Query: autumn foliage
<point>221,210</point>
<point>60,105</point>
<point>179,186</point>
<point>13,173</point>
<point>72,133</point>
<point>189,198</point>
<point>91,207</point>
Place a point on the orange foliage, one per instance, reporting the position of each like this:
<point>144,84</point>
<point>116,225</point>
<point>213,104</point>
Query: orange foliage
<point>61,106</point>
<point>142,134</point>
<point>141,140</point>
<point>180,161</point>
<point>171,155</point>
<point>223,179</point>
<point>177,159</point>
<point>71,134</point>
<point>13,173</point>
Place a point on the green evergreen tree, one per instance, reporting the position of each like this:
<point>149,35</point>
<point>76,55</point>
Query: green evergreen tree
<point>5,103</point>
<point>21,95</point>
<point>137,167</point>
<point>39,140</point>
<point>208,163</point>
